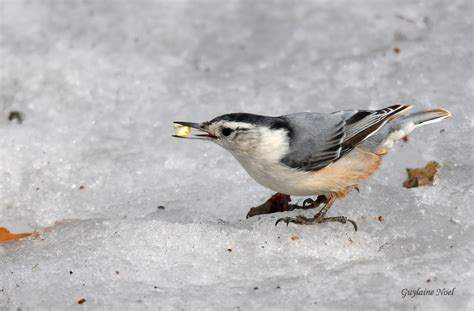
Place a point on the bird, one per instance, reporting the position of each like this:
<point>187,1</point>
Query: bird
<point>313,154</point>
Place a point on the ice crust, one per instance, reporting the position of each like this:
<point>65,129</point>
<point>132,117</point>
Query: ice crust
<point>100,82</point>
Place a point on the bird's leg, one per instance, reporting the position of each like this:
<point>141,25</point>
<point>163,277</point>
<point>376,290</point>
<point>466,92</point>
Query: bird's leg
<point>319,217</point>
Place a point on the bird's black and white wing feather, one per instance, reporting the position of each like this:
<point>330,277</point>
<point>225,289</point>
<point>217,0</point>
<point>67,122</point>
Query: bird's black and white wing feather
<point>361,124</point>
<point>317,140</point>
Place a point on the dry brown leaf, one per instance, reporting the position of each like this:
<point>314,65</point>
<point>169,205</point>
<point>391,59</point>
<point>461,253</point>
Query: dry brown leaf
<point>6,235</point>
<point>277,203</point>
<point>421,176</point>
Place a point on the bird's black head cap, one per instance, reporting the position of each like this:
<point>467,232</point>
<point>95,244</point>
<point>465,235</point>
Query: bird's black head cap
<point>270,122</point>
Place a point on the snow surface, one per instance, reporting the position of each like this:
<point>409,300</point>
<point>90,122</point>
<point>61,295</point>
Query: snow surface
<point>100,82</point>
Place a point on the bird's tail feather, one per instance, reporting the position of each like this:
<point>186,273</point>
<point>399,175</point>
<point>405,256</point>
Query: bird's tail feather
<point>404,125</point>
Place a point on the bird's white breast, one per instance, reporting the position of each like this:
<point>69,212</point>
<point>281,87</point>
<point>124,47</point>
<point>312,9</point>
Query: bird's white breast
<point>262,163</point>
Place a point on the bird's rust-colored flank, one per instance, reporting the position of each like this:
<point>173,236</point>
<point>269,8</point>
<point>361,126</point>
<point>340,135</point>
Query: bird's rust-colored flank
<point>349,171</point>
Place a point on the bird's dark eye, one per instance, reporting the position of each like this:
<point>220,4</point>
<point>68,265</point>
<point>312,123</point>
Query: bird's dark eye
<point>226,131</point>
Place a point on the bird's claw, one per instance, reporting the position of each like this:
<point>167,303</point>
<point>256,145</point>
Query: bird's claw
<point>353,223</point>
<point>339,219</point>
<point>285,219</point>
<point>300,220</point>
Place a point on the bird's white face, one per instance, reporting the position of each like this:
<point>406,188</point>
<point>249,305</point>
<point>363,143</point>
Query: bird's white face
<point>235,136</point>
<point>244,140</point>
<point>257,146</point>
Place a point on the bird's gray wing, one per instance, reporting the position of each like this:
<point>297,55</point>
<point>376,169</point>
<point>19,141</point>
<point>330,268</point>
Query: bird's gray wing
<point>317,140</point>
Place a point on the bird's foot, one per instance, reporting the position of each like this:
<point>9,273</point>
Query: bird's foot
<point>320,218</point>
<point>301,220</point>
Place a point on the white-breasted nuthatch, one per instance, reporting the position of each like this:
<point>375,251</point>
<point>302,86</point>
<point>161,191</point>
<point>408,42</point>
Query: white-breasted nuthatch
<point>307,154</point>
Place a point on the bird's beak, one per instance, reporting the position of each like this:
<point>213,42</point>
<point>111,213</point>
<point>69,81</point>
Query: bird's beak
<point>203,127</point>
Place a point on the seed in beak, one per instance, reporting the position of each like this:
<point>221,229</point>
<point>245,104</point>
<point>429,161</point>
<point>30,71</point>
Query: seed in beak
<point>182,131</point>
